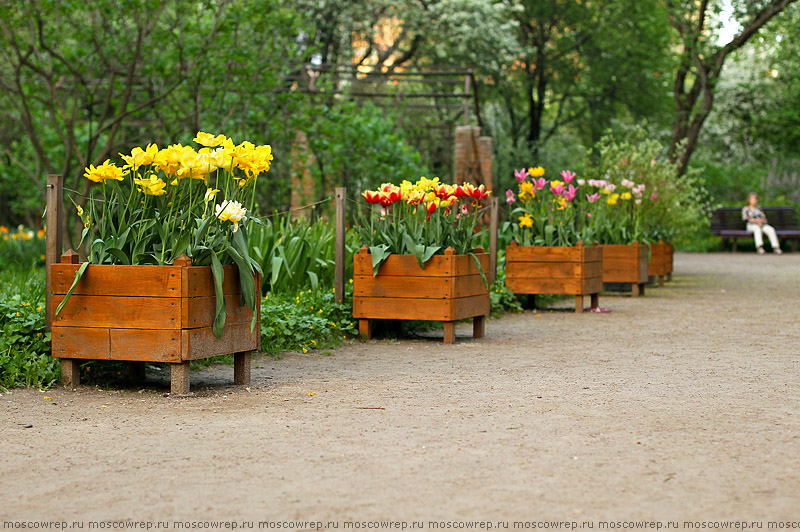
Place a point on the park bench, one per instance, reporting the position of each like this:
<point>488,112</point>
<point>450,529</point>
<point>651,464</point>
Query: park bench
<point>726,222</point>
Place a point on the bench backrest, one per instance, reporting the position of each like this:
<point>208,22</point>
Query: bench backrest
<point>730,218</point>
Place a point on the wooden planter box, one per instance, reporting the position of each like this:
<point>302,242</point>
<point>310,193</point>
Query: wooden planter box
<point>576,270</point>
<point>669,261</point>
<point>148,314</point>
<point>657,266</point>
<point>448,289</point>
<point>626,264</point>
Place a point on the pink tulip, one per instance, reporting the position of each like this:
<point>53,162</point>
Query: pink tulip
<point>588,215</point>
<point>568,176</point>
<point>539,183</point>
<point>653,196</point>
<point>594,197</point>
<point>570,193</point>
<point>581,182</point>
<point>557,189</point>
<point>520,175</point>
<point>510,198</point>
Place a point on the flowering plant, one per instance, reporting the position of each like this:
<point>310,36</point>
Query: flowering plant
<point>546,212</point>
<point>643,197</point>
<point>177,200</point>
<point>617,210</point>
<point>421,219</point>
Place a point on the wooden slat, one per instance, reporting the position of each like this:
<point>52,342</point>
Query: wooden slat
<point>118,280</point>
<point>400,308</point>
<point>200,311</point>
<point>80,342</point>
<point>546,270</point>
<point>150,345</point>
<point>543,253</point>
<point>437,266</point>
<point>545,286</point>
<point>423,287</point>
<point>201,281</point>
<point>469,285</point>
<point>418,286</point>
<point>469,307</point>
<point>119,312</point>
<point>201,343</point>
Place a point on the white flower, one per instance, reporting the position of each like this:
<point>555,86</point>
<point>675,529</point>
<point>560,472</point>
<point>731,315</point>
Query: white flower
<point>231,211</point>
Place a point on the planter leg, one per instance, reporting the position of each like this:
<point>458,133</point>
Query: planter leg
<point>478,326</point>
<point>70,372</point>
<point>179,378</point>
<point>241,367</point>
<point>136,371</point>
<point>449,332</point>
<point>365,329</point>
<point>669,277</point>
<point>595,300</point>
<point>635,287</point>
<point>578,304</point>
<point>660,281</point>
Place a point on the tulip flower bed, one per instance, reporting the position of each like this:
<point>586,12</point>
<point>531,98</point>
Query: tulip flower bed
<point>551,218</point>
<point>420,261</point>
<point>146,313</point>
<point>448,289</point>
<point>169,276</point>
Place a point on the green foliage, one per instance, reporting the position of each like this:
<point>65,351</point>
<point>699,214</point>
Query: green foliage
<point>297,254</point>
<point>24,345</point>
<point>305,320</point>
<point>503,299</point>
<point>357,145</point>
<point>652,201</point>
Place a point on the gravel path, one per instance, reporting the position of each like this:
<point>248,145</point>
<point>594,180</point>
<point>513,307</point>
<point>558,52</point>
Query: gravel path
<point>682,405</point>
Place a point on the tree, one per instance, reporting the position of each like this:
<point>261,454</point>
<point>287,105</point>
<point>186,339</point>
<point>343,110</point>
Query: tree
<point>701,61</point>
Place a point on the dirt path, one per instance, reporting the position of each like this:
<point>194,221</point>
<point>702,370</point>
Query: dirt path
<point>684,404</point>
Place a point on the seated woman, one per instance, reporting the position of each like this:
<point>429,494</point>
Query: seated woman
<point>757,224</point>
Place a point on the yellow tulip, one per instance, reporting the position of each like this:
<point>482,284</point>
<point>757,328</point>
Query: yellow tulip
<point>105,171</point>
<point>209,140</point>
<point>626,195</point>
<point>536,172</point>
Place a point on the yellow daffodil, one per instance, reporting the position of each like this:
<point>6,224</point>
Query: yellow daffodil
<point>526,220</point>
<point>209,140</point>
<point>140,157</point>
<point>525,189</point>
<point>626,196</point>
<point>168,160</point>
<point>105,171</point>
<point>151,186</point>
<point>80,211</point>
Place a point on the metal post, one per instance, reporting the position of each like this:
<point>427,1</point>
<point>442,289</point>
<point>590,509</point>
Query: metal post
<point>494,216</point>
<point>54,195</point>
<point>341,229</point>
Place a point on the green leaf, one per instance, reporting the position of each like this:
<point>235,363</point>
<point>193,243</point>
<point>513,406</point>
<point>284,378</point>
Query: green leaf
<point>78,275</point>
<point>379,254</point>
<point>219,275</point>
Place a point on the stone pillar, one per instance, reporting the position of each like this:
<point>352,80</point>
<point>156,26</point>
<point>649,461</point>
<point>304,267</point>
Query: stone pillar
<point>486,156</point>
<point>464,152</point>
<point>472,159</point>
